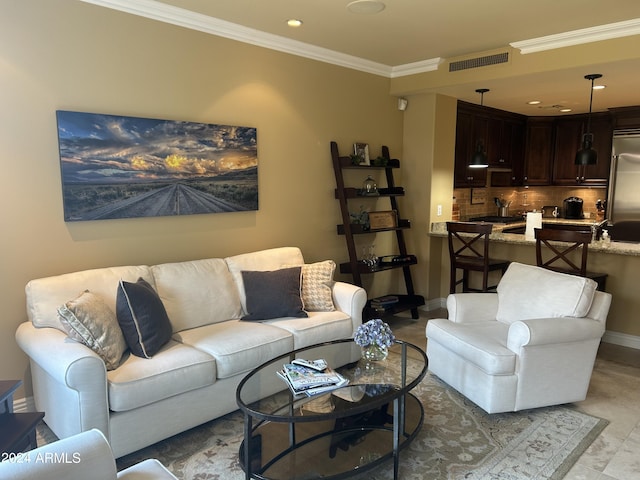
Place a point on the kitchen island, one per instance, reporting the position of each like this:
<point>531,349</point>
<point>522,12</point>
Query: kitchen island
<point>620,260</point>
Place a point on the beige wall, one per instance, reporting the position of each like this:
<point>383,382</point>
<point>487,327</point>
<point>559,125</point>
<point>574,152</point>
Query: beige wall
<point>76,56</point>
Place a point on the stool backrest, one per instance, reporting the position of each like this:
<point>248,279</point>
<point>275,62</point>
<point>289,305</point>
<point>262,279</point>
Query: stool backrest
<point>573,240</point>
<point>474,245</point>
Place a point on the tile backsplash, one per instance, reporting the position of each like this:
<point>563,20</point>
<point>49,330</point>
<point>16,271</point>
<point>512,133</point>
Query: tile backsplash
<point>523,199</point>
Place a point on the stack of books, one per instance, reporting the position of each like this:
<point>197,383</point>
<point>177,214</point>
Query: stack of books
<point>311,378</point>
<point>382,304</point>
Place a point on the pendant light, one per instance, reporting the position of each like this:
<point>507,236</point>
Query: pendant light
<point>587,155</point>
<point>479,158</point>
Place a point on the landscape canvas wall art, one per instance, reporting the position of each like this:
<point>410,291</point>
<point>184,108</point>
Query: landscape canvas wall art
<point>122,167</point>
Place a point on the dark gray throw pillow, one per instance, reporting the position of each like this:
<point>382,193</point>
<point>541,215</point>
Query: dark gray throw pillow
<point>142,318</point>
<point>273,294</point>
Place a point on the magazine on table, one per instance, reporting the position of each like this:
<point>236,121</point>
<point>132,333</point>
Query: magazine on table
<point>310,381</point>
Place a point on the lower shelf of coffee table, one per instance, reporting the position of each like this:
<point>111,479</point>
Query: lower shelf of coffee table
<point>331,449</point>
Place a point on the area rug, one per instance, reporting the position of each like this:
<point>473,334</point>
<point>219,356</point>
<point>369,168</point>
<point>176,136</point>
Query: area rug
<point>457,441</point>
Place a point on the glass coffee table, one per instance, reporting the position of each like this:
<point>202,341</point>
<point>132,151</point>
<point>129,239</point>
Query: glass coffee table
<point>336,434</point>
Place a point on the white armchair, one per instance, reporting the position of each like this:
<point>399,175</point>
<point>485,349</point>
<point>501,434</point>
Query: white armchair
<point>79,457</point>
<point>531,344</point>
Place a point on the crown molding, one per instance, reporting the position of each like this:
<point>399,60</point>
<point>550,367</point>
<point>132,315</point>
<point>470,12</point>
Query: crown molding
<point>416,67</point>
<point>578,37</point>
<point>203,23</point>
<point>181,17</point>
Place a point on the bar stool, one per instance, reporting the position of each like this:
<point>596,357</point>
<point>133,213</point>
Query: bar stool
<point>559,252</point>
<point>467,255</point>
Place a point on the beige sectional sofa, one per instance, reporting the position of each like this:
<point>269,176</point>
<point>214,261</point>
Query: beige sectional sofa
<point>193,377</point>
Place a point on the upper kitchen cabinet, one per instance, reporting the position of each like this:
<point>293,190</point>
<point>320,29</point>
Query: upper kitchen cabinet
<point>500,133</point>
<point>463,176</point>
<point>568,140</point>
<point>538,151</point>
<point>625,118</point>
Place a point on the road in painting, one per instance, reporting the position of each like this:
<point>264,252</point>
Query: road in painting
<point>123,167</point>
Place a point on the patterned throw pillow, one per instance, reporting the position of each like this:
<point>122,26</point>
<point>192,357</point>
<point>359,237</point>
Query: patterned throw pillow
<point>317,285</point>
<point>89,320</point>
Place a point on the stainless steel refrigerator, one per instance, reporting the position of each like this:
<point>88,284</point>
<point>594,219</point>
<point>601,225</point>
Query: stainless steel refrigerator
<point>624,183</point>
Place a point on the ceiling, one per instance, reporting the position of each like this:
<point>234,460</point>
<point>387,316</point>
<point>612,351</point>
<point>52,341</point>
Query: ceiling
<point>410,31</point>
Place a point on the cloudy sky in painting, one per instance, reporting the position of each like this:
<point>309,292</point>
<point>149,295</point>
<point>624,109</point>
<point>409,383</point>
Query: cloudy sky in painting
<point>108,148</point>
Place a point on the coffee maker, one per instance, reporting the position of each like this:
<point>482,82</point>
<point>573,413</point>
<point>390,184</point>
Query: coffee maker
<point>572,208</point>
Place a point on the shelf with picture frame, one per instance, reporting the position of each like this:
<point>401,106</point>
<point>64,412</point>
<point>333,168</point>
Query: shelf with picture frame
<point>388,220</point>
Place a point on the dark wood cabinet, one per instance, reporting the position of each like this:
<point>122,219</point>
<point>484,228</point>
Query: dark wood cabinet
<point>539,151</point>
<point>535,151</point>
<point>501,135</point>
<point>466,145</point>
<point>568,140</point>
<point>625,118</point>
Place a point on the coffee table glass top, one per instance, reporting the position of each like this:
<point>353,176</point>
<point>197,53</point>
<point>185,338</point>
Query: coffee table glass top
<point>265,396</point>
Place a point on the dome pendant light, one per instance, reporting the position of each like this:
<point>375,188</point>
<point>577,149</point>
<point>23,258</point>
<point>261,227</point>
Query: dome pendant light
<point>587,155</point>
<point>479,158</point>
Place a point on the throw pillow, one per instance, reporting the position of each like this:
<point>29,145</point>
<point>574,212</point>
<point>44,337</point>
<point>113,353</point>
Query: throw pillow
<point>89,320</point>
<point>273,294</point>
<point>317,284</point>
<point>142,318</point>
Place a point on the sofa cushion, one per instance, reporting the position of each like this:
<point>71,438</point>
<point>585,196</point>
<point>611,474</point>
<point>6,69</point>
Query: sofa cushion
<point>238,346</point>
<point>484,343</point>
<point>45,295</point>
<point>197,293</point>
<point>318,327</point>
<point>173,370</point>
<point>526,292</point>
<point>317,286</point>
<point>142,318</point>
<point>273,294</point>
<point>272,259</point>
<point>88,320</point>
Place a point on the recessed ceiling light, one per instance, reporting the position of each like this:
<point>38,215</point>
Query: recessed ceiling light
<point>534,102</point>
<point>367,7</point>
<point>599,87</point>
<point>294,22</point>
<point>565,110</point>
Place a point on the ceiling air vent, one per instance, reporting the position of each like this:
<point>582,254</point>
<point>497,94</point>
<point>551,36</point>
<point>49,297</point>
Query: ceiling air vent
<point>479,62</point>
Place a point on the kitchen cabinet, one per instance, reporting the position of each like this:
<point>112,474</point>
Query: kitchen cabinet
<point>568,140</point>
<point>538,151</point>
<point>625,117</point>
<point>500,133</point>
<point>463,176</point>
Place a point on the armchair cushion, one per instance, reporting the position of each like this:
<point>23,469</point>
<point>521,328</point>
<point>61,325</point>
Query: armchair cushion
<point>482,343</point>
<point>526,291</point>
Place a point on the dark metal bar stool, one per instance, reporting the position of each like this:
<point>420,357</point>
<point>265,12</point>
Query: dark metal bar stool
<point>469,252</point>
<point>560,253</point>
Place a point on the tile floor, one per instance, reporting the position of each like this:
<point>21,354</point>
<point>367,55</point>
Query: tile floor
<point>614,394</point>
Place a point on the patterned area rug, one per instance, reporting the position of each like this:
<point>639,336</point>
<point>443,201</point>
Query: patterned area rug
<point>458,441</point>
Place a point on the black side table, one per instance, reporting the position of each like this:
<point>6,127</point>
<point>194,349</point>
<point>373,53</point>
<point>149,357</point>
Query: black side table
<point>17,430</point>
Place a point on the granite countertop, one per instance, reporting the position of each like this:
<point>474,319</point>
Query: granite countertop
<point>439,229</point>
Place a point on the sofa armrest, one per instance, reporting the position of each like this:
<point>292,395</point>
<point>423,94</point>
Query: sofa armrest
<point>69,380</point>
<point>350,299</point>
<point>546,331</point>
<point>472,307</point>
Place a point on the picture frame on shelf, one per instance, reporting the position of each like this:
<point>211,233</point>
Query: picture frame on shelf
<point>362,150</point>
<point>383,219</point>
